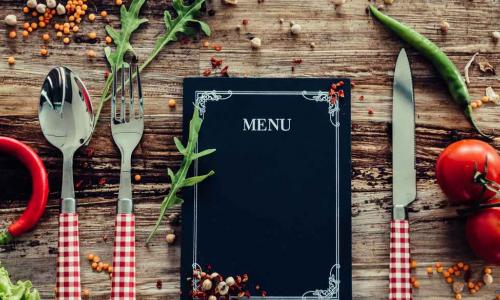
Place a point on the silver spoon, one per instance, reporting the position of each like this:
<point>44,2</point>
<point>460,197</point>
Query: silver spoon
<point>66,118</point>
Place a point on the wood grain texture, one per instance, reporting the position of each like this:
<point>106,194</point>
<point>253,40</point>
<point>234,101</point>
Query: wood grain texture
<point>348,44</point>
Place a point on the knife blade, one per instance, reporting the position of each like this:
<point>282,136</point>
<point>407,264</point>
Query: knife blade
<point>403,138</point>
<point>404,179</point>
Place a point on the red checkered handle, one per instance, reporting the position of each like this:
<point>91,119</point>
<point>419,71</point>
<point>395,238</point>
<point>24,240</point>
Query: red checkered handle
<point>123,280</point>
<point>68,260</point>
<point>400,273</point>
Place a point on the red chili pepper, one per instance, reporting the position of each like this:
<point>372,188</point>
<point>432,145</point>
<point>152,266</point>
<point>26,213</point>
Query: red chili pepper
<point>40,188</point>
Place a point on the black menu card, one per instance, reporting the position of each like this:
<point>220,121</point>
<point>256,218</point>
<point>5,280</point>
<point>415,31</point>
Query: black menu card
<point>279,205</point>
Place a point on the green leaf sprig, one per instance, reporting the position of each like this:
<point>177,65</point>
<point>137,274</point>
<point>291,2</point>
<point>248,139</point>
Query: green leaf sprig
<point>130,22</point>
<point>179,179</point>
<point>186,16</point>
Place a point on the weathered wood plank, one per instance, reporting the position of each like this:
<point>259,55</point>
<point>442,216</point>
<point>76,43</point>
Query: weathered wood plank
<point>348,45</point>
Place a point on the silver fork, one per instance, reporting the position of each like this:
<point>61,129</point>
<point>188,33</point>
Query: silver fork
<point>127,127</point>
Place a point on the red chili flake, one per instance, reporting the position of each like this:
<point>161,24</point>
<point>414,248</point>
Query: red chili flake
<point>218,48</point>
<point>90,152</point>
<point>102,181</point>
<point>79,183</point>
<point>244,22</point>
<point>341,83</point>
<point>361,98</point>
<point>333,86</point>
<point>207,72</point>
<point>184,40</point>
<point>264,293</point>
<point>215,62</point>
<point>370,111</point>
<point>341,93</point>
<point>105,238</point>
<point>223,72</point>
<point>159,284</point>
<point>293,69</point>
<point>106,74</point>
<point>353,85</point>
<point>297,60</point>
<point>333,99</point>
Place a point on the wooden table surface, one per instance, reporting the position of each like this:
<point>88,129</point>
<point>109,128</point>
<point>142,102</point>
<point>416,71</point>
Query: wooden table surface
<point>348,44</point>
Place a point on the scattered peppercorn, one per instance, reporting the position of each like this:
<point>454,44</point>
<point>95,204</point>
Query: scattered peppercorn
<point>44,52</point>
<point>12,34</point>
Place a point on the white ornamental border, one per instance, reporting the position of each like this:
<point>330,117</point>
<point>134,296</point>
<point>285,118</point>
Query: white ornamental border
<point>201,100</point>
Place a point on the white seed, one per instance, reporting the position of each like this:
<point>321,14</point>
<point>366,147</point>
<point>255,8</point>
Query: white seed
<point>230,281</point>
<point>212,297</point>
<point>31,3</point>
<point>41,8</point>
<point>170,238</point>
<point>238,27</point>
<point>292,23</point>
<point>51,3</point>
<point>339,2</point>
<point>206,285</point>
<point>11,20</point>
<point>488,279</point>
<point>222,288</point>
<point>281,20</point>
<point>256,43</point>
<point>296,29</point>
<point>380,7</point>
<point>231,2</point>
<point>214,275</point>
<point>312,45</point>
<point>458,287</point>
<point>495,35</point>
<point>445,26</point>
<point>61,10</point>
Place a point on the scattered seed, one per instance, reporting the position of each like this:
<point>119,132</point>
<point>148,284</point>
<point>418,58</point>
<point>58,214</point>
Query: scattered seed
<point>11,60</point>
<point>159,284</point>
<point>312,45</point>
<point>495,35</point>
<point>137,178</point>
<point>86,293</point>
<point>44,52</point>
<point>172,103</point>
<point>91,54</point>
<point>445,26</point>
<point>10,20</point>
<point>170,238</point>
<point>256,43</point>
<point>296,29</point>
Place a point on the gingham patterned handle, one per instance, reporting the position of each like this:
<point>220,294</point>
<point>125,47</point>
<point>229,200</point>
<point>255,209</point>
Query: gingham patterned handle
<point>68,259</point>
<point>399,275</point>
<point>123,280</point>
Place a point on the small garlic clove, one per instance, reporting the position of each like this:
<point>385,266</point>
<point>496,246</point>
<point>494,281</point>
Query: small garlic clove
<point>230,281</point>
<point>11,20</point>
<point>492,96</point>
<point>41,8</point>
<point>61,10</point>
<point>31,3</point>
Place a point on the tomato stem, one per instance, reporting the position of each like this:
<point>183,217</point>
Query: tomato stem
<point>474,209</point>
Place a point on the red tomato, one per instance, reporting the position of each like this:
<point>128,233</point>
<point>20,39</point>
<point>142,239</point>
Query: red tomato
<point>456,167</point>
<point>483,233</point>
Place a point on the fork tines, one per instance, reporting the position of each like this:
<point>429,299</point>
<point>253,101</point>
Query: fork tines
<point>132,70</point>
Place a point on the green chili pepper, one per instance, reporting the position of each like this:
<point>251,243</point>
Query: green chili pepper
<point>445,67</point>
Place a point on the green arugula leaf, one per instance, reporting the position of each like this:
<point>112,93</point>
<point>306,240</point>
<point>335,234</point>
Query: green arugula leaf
<point>178,179</point>
<point>179,145</point>
<point>181,24</point>
<point>130,22</point>
<point>196,179</point>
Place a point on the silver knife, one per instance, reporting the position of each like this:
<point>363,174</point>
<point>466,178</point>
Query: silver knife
<point>404,178</point>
